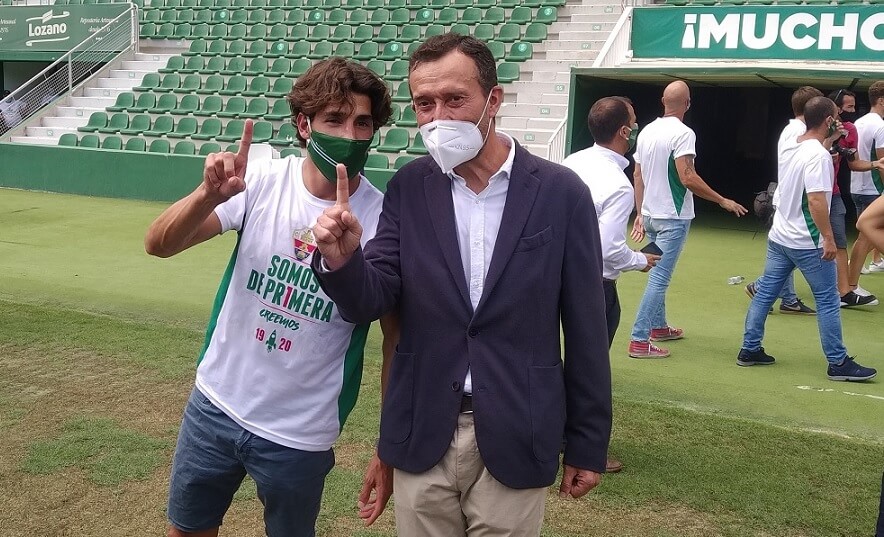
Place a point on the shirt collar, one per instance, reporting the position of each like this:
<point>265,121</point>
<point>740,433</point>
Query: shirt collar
<point>506,169</point>
<point>613,156</point>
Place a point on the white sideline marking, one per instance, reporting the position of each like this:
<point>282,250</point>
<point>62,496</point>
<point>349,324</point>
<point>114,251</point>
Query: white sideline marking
<point>814,389</point>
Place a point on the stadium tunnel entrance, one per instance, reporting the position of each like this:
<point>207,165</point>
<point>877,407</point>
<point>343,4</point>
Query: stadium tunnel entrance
<point>736,112</point>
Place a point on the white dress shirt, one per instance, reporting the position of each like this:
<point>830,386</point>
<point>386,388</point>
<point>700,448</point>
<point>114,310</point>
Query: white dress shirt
<point>602,171</point>
<point>478,217</point>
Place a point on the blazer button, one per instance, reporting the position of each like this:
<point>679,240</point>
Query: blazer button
<point>455,386</point>
<point>473,332</point>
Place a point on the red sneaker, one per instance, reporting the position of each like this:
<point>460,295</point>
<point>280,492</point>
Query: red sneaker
<point>666,334</point>
<point>645,349</point>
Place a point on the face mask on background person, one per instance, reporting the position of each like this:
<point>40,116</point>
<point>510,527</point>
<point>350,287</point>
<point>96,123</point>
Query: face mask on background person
<point>328,151</point>
<point>849,117</point>
<point>633,136</point>
<point>452,142</point>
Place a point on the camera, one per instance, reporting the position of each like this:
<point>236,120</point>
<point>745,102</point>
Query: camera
<point>847,153</point>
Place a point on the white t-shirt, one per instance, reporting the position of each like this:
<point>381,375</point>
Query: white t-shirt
<point>805,168</point>
<point>659,144</point>
<point>870,129</point>
<point>602,171</point>
<point>788,138</point>
<point>279,360</point>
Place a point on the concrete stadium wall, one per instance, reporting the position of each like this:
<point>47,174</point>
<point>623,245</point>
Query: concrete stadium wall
<point>109,173</point>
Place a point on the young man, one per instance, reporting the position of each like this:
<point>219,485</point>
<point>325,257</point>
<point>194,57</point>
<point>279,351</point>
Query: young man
<point>801,236</point>
<point>614,129</point>
<point>665,195</point>
<point>489,255</point>
<point>280,370</point>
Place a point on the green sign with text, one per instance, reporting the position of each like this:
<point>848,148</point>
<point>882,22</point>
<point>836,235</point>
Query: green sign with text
<point>760,32</point>
<point>52,28</point>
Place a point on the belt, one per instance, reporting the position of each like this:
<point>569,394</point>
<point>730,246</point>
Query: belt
<point>466,404</point>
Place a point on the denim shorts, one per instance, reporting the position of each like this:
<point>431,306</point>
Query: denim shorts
<point>862,201</point>
<point>213,456</point>
<point>837,215</point>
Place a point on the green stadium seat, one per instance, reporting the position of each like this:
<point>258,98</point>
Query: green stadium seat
<point>147,30</point>
<point>137,125</point>
<point>234,66</point>
<point>342,33</point>
<point>258,5</point>
<point>290,152</point>
<point>170,82</point>
<point>203,16</point>
<point>352,4</point>
<point>359,16</point>
<point>280,111</point>
<point>484,4</point>
<point>186,127</point>
<point>459,28</point>
<point>547,15</point>
<point>219,31</point>
<point>299,67</point>
<point>210,106</point>
<point>402,161</point>
<point>320,32</point>
<point>258,31</point>
<point>90,141</point>
<point>433,30</point>
<point>295,16</point>
<point>336,17</point>
<point>508,72</point>
<point>367,51</point>
<point>386,33</point>
<point>471,16</point>
<point>321,50</point>
<point>275,3</point>
<point>378,67</point>
<point>403,93</point>
<point>215,48</point>
<point>233,108</point>
<point>165,31</point>
<point>208,148</point>
<point>494,15</point>
<point>148,83</point>
<point>395,114</point>
<point>136,144</point>
<point>116,123</point>
<point>396,4</point>
<point>281,67</point>
<point>400,16</point>
<point>498,50</point>
<point>408,118</point>
<point>345,49</point>
<point>519,52</point>
<point>372,5</point>
<point>510,33</point>
<point>200,31</point>
<point>68,139</point>
<point>257,16</point>
<point>258,86</point>
<point>535,33</point>
<point>276,16</point>
<point>237,31</point>
<point>235,48</point>
<point>112,142</point>
<point>363,33</point>
<point>281,87</point>
<point>185,15</point>
<point>417,146</point>
<point>215,65</point>
<point>392,51</point>
<point>521,15</point>
<point>286,136</point>
<point>263,132</point>
<point>461,4</point>
<point>212,84</point>
<point>398,70</point>
<point>184,147</point>
<point>446,16</point>
<point>258,48</point>
<point>235,85</point>
<point>256,67</point>
<point>124,101</point>
<point>232,132</point>
<point>377,161</point>
<point>162,126</point>
<point>188,105</point>
<point>174,65</point>
<point>96,121</point>
<point>395,140</point>
<point>276,49</point>
<point>379,17</point>
<point>414,46</point>
<point>166,103</point>
<point>159,146</point>
<point>314,4</point>
<point>409,33</point>
<point>483,32</point>
<point>299,34</point>
<point>257,107</point>
<point>424,17</point>
<point>532,3</point>
<point>182,30</point>
<point>190,84</point>
<point>314,17</point>
<point>193,64</point>
<point>209,129</point>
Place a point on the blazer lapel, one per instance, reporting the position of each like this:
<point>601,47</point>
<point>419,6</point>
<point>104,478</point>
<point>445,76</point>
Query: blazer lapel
<point>437,187</point>
<point>520,198</point>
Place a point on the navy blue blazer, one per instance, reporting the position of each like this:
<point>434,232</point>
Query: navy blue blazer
<point>545,275</point>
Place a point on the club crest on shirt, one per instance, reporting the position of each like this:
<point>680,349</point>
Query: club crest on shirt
<point>304,243</point>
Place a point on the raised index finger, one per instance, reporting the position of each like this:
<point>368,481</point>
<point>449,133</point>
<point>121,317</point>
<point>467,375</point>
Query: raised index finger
<point>245,142</point>
<point>343,197</point>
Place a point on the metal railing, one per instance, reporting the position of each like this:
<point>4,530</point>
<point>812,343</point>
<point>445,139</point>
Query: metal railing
<point>69,72</point>
<point>616,46</point>
<point>555,149</point>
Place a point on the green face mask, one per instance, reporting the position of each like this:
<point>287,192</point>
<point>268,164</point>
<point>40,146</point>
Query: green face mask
<point>832,129</point>
<point>328,151</point>
<point>633,136</point>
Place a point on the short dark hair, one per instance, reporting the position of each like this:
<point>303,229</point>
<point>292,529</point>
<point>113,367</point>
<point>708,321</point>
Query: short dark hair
<point>816,110</point>
<point>801,96</point>
<point>438,46</point>
<point>606,117</point>
<point>876,91</point>
<point>837,96</point>
<point>333,82</point>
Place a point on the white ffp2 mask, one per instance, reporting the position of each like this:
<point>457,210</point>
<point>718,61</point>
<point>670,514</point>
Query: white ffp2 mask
<point>452,142</point>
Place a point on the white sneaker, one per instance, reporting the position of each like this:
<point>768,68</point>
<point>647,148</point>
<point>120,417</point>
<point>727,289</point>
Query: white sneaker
<point>877,267</point>
<point>865,270</point>
<point>861,292</point>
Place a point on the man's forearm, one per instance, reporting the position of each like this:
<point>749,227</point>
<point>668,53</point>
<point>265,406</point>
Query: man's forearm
<point>819,212</point>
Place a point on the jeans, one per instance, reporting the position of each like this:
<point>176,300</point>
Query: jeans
<point>820,274</point>
<point>787,295</point>
<point>670,235</point>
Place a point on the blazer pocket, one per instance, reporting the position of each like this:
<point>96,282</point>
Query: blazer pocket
<point>546,390</point>
<point>535,241</point>
<point>398,409</point>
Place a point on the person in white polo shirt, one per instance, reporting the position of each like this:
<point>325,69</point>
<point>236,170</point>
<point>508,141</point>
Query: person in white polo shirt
<point>613,127</point>
<point>801,236</point>
<point>665,184</point>
<point>280,369</point>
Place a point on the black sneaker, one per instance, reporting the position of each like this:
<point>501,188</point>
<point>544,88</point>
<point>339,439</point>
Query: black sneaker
<point>852,300</point>
<point>849,370</point>
<point>750,290</point>
<point>759,357</point>
<point>797,308</point>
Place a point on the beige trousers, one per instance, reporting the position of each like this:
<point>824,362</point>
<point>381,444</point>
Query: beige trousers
<point>458,497</point>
